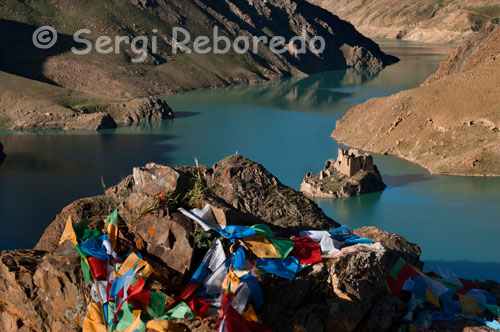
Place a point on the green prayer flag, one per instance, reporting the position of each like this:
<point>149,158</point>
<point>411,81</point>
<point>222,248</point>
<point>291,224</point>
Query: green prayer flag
<point>263,229</point>
<point>156,306</point>
<point>87,276</point>
<point>282,246</point>
<point>126,319</point>
<point>181,310</point>
<point>113,218</point>
<point>397,267</point>
<point>495,310</point>
<point>111,311</point>
<point>83,233</point>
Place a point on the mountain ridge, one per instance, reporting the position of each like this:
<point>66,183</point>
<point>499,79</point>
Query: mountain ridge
<point>115,76</point>
<point>449,125</point>
<point>443,21</point>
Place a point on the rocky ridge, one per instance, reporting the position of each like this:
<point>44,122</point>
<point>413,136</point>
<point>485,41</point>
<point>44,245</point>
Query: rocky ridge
<point>449,125</point>
<point>351,174</point>
<point>428,21</point>
<point>94,81</point>
<point>31,105</point>
<point>42,289</point>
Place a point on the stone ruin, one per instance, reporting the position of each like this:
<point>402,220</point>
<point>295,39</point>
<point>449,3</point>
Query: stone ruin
<point>337,178</point>
<point>350,162</point>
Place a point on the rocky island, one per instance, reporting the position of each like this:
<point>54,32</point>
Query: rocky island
<point>351,174</point>
<point>348,289</point>
<point>449,125</point>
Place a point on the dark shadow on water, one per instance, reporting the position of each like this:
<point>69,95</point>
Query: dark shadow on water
<point>185,114</point>
<point>2,154</point>
<point>469,270</point>
<point>402,180</point>
<point>42,174</point>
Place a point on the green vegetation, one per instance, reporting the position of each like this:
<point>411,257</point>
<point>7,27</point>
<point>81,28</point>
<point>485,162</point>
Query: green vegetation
<point>481,16</point>
<point>194,196</point>
<point>4,122</point>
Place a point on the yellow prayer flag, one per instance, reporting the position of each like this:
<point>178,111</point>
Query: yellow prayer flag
<point>112,231</point>
<point>250,314</point>
<point>132,261</point>
<point>469,306</point>
<point>432,298</point>
<point>261,247</point>
<point>163,325</point>
<point>94,322</point>
<point>68,233</point>
<point>231,282</point>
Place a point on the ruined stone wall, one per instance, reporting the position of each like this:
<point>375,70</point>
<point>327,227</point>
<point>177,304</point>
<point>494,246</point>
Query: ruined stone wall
<point>349,162</point>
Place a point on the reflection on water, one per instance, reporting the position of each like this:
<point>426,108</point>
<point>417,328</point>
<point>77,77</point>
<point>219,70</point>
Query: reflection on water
<point>283,125</point>
<point>298,93</point>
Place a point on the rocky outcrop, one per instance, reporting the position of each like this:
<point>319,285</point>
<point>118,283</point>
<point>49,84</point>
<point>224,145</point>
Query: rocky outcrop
<point>25,115</point>
<point>42,289</point>
<point>343,295</point>
<point>351,174</point>
<point>140,110</point>
<point>248,187</point>
<point>422,20</point>
<point>449,125</point>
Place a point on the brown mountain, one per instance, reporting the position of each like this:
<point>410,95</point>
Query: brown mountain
<point>449,125</point>
<point>98,79</point>
<point>434,21</point>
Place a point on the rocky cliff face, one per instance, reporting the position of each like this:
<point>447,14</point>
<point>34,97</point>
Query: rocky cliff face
<point>96,81</point>
<point>165,71</point>
<point>42,289</point>
<point>449,125</point>
<point>31,105</point>
<point>86,118</point>
<point>422,20</point>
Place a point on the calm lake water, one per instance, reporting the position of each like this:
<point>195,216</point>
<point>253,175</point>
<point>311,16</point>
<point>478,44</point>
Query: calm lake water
<point>285,126</point>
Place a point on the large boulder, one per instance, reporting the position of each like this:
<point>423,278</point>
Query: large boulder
<point>341,294</point>
<point>141,109</point>
<point>40,291</point>
<point>250,188</point>
<point>395,243</point>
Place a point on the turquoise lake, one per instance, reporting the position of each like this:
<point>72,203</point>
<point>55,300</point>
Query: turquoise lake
<point>283,125</point>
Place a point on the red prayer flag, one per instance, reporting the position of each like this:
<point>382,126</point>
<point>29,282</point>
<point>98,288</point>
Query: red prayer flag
<point>237,323</point>
<point>395,285</point>
<point>98,268</point>
<point>306,251</point>
<point>141,300</point>
<point>198,305</point>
